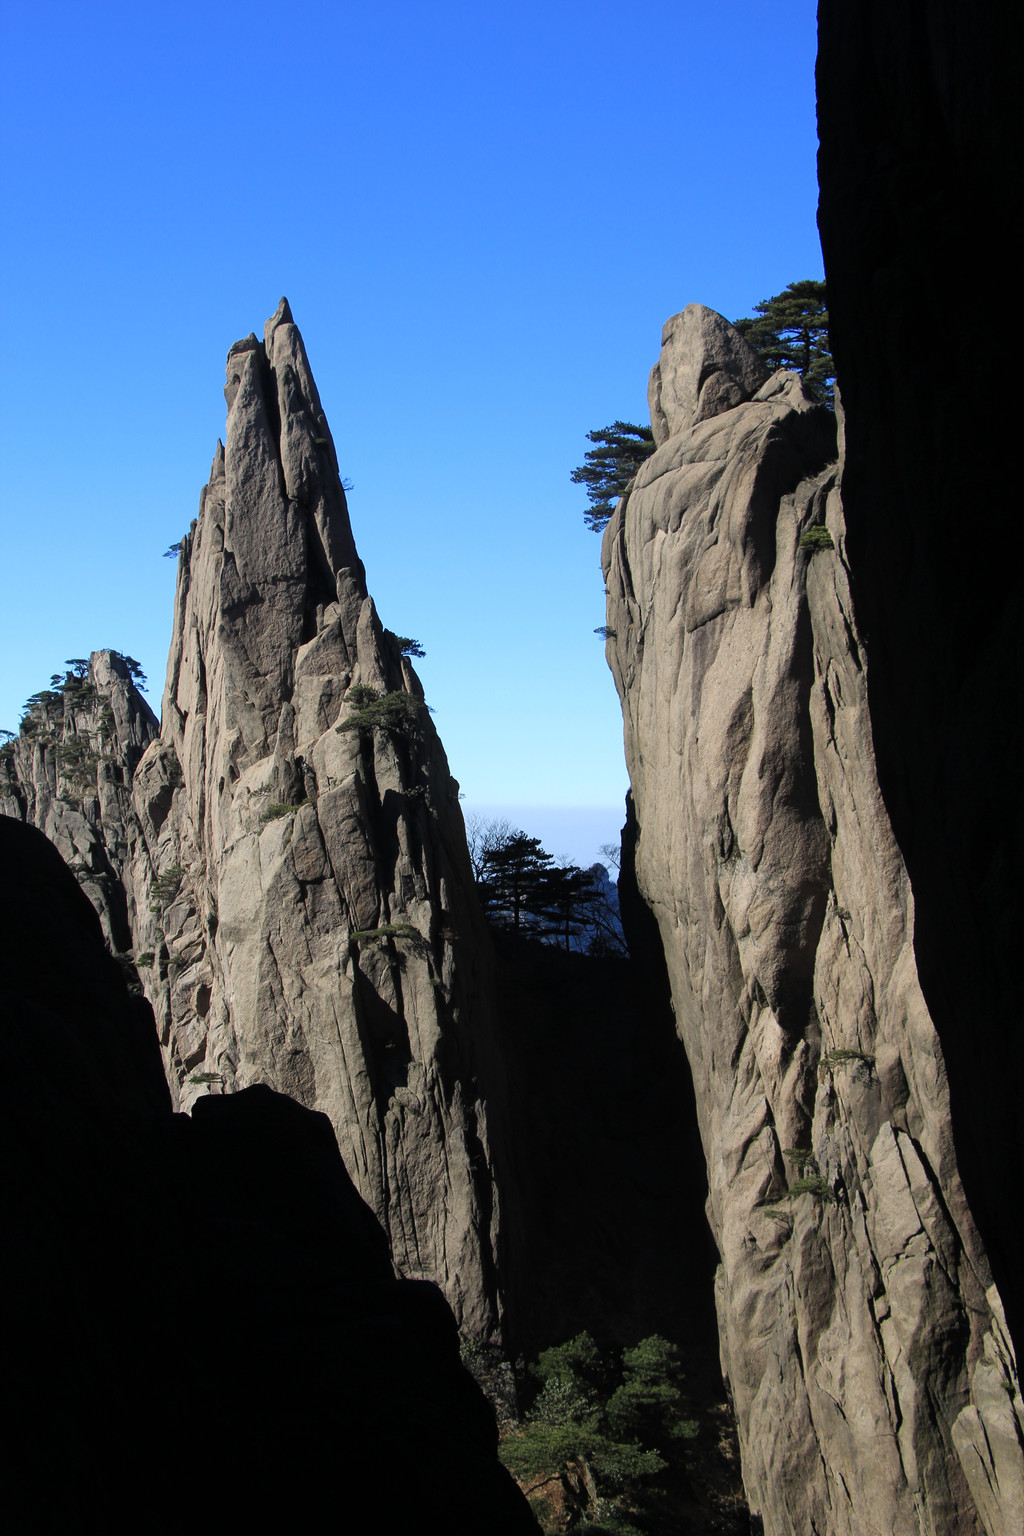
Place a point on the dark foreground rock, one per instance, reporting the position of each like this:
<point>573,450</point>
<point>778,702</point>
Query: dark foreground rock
<point>919,118</point>
<point>204,1326</point>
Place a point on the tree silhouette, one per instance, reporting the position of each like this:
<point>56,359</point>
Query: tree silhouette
<point>790,330</point>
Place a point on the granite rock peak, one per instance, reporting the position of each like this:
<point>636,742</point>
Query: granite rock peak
<point>296,882</point>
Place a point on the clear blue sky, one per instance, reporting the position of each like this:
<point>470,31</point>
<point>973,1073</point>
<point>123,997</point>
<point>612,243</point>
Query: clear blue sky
<point>481,217</point>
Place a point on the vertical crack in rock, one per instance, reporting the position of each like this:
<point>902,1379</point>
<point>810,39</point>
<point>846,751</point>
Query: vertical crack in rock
<point>863,1342</point>
<point>304,887</point>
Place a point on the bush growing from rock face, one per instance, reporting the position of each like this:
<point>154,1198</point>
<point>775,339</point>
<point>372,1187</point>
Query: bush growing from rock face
<point>790,330</point>
<point>360,695</point>
<point>404,644</point>
<point>816,537</point>
<point>166,886</point>
<point>404,931</point>
<point>396,714</point>
<point>278,809</point>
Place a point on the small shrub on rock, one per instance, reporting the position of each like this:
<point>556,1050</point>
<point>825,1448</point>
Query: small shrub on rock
<point>396,714</point>
<point>278,809</point>
<point>166,886</point>
<point>816,538</point>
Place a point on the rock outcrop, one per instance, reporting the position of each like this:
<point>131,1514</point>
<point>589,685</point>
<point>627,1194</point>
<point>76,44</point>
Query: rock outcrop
<point>210,1289</point>
<point>306,915</point>
<point>861,1335</point>
<point>704,368</point>
<point>69,773</point>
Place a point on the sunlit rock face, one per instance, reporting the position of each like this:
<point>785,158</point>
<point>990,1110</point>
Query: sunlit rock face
<point>68,772</point>
<point>861,1335</point>
<point>304,889</point>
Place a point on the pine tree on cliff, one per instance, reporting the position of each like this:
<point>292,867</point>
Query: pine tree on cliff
<point>790,330</point>
<point>608,470</point>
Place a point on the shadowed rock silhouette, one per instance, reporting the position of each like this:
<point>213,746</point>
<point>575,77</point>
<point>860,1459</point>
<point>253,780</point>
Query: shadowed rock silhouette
<point>205,1324</point>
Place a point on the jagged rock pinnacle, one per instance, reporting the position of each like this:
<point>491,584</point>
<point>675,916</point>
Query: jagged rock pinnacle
<point>311,879</point>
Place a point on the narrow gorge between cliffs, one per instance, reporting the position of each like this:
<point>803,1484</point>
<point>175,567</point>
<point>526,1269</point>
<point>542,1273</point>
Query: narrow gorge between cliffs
<point>286,1076</point>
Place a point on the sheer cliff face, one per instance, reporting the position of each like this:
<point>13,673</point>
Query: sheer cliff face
<point>305,890</point>
<point>69,773</point>
<point>861,1335</point>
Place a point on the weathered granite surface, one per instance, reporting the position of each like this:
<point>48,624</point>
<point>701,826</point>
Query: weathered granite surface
<point>703,369</point>
<point>304,889</point>
<point>68,772</point>
<point>861,1335</point>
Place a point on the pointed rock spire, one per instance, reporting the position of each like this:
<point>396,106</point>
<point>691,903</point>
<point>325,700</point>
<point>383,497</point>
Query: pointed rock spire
<point>308,894</point>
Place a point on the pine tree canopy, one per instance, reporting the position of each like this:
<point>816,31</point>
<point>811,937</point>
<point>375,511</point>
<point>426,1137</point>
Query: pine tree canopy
<point>609,469</point>
<point>514,887</point>
<point>790,330</point>
<point>524,889</point>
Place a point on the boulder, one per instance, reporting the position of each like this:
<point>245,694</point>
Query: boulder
<point>705,367</point>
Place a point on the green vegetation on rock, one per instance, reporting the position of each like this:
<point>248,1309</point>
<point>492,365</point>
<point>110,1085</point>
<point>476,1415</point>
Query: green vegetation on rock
<point>790,330</point>
<point>396,714</point>
<point>622,1421</point>
<point>817,537</point>
<point>281,808</point>
<point>406,931</point>
<point>608,470</point>
<point>404,645</point>
<point>166,886</point>
<point>838,1057</point>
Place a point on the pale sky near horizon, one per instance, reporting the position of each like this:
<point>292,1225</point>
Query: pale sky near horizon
<point>481,218</point>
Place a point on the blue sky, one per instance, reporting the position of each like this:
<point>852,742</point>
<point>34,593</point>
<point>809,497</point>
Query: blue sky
<point>481,218</point>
